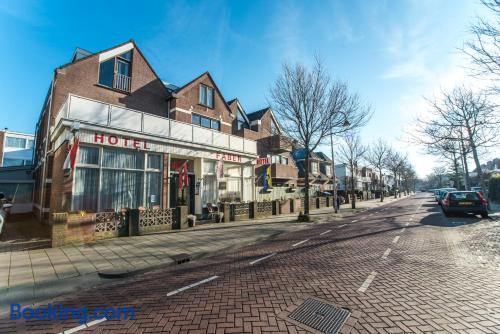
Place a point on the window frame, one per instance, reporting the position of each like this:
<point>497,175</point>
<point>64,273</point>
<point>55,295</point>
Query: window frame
<point>116,59</point>
<point>204,88</point>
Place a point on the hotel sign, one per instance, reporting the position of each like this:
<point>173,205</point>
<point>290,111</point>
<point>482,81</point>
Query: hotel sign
<point>100,138</point>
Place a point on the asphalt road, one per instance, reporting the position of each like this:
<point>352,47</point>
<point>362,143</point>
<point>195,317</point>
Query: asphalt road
<point>400,268</point>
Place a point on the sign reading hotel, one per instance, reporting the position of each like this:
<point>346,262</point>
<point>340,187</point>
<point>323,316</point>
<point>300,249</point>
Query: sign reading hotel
<point>262,161</point>
<point>100,138</point>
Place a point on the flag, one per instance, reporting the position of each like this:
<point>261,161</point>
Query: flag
<point>268,181</point>
<point>183,176</point>
<point>70,161</point>
<point>219,168</point>
<point>269,178</point>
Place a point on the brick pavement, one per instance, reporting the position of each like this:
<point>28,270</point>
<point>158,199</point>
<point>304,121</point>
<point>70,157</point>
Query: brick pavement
<point>419,287</point>
<point>28,276</point>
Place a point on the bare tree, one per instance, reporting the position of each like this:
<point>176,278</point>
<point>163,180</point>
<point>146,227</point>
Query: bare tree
<point>394,163</point>
<point>484,48</point>
<point>463,122</point>
<point>351,152</point>
<point>377,156</point>
<point>439,172</point>
<point>308,105</point>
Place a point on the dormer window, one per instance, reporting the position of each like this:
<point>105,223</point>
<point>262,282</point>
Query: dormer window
<point>206,96</point>
<point>241,120</point>
<point>115,72</point>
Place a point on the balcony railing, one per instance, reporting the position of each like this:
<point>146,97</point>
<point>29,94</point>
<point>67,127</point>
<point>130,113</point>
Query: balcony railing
<point>99,113</point>
<point>122,82</point>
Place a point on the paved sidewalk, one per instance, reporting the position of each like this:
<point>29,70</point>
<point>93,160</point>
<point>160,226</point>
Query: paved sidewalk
<point>34,275</point>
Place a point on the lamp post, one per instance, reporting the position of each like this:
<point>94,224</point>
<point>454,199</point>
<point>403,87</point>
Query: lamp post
<point>335,207</point>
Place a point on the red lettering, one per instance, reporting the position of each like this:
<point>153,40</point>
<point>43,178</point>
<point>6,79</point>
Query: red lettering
<point>125,141</point>
<point>146,147</point>
<point>112,140</point>
<point>136,143</point>
<point>98,137</point>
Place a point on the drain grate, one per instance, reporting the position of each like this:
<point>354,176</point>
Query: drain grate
<point>321,316</point>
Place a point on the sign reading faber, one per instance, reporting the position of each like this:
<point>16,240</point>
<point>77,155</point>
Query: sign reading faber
<point>228,157</point>
<point>100,138</point>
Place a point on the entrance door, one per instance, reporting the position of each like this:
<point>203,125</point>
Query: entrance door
<point>184,197</point>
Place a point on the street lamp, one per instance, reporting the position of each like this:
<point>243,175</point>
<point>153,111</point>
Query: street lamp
<point>335,207</point>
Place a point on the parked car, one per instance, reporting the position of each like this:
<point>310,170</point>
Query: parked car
<point>441,193</point>
<point>465,202</point>
<point>4,211</point>
<point>478,189</point>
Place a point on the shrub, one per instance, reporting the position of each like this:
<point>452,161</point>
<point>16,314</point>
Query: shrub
<point>494,188</point>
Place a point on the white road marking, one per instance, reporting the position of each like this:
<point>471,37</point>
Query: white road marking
<point>407,223</point>
<point>367,282</point>
<point>395,239</point>
<point>326,232</point>
<point>354,221</point>
<point>262,258</point>
<point>84,326</point>
<point>171,293</point>
<point>343,225</point>
<point>300,242</point>
<point>386,253</point>
<point>404,228</point>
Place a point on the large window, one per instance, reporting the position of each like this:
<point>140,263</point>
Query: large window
<point>314,167</point>
<point>111,179</point>
<point>15,142</point>
<point>115,72</point>
<point>241,120</point>
<point>206,96</point>
<point>279,159</point>
<point>205,122</point>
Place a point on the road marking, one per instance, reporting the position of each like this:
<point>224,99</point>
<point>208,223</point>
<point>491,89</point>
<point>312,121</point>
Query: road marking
<point>171,293</point>
<point>367,282</point>
<point>262,258</point>
<point>408,223</point>
<point>300,242</point>
<point>342,225</point>
<point>326,232</point>
<point>84,326</point>
<point>404,228</point>
<point>395,239</point>
<point>354,221</point>
<point>386,253</point>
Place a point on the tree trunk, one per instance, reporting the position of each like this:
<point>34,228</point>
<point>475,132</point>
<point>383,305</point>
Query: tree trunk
<point>475,155</point>
<point>395,185</point>
<point>306,196</point>
<point>466,165</point>
<point>380,187</point>
<point>455,167</point>
<point>353,197</point>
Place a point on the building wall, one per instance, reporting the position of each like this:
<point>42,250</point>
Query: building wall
<point>2,140</point>
<point>188,100</point>
<point>147,92</point>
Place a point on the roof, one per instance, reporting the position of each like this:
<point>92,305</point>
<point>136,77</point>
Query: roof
<point>300,154</point>
<point>323,156</point>
<point>256,115</point>
<point>231,101</point>
<point>213,82</point>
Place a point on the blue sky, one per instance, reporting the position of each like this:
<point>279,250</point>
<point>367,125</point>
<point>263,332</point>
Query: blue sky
<point>391,52</point>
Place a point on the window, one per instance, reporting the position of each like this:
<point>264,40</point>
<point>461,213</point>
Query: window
<point>205,122</point>
<point>115,72</point>
<point>195,119</point>
<point>30,143</point>
<point>314,167</point>
<point>7,162</point>
<point>111,179</point>
<point>206,96</point>
<point>328,170</point>
<point>279,159</point>
<point>15,142</point>
<point>241,121</point>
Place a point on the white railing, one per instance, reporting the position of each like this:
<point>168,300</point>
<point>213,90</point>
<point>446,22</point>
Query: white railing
<point>99,113</point>
<point>122,82</point>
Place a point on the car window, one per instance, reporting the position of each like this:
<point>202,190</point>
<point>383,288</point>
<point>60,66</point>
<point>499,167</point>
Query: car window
<point>464,196</point>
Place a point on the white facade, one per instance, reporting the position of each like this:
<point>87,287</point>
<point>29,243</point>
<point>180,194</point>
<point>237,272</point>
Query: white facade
<point>17,149</point>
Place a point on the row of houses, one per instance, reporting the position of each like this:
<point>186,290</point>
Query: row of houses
<point>134,133</point>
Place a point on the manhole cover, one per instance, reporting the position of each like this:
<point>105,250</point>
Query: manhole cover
<point>321,316</point>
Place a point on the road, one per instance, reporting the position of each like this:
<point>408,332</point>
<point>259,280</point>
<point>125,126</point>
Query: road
<point>400,268</point>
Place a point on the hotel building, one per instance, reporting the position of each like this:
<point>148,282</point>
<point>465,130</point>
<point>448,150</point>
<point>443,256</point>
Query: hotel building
<point>135,131</point>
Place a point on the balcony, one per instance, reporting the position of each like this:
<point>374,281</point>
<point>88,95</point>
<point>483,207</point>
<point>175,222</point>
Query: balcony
<point>122,82</point>
<point>280,144</point>
<point>103,114</point>
<point>285,172</point>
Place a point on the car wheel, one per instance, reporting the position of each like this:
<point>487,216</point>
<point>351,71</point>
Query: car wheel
<point>484,214</point>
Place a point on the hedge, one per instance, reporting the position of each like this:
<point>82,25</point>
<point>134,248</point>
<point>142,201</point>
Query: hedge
<point>494,188</point>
